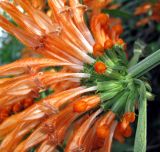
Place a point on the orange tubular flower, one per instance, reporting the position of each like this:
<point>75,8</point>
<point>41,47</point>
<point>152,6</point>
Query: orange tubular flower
<point>123,128</point>
<point>76,142</point>
<point>106,32</point>
<point>146,7</point>
<point>86,103</point>
<point>104,125</point>
<point>97,5</point>
<point>82,87</point>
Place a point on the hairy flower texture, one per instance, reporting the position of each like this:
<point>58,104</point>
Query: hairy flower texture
<point>92,90</point>
<point>150,8</point>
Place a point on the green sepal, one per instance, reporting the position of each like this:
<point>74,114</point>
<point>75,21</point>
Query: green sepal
<point>112,55</point>
<point>120,102</point>
<point>107,85</point>
<point>138,51</point>
<point>107,105</point>
<point>106,96</point>
<point>130,104</point>
<point>150,96</point>
<point>113,75</point>
<point>121,55</point>
<point>110,94</point>
<point>106,60</point>
<point>148,86</point>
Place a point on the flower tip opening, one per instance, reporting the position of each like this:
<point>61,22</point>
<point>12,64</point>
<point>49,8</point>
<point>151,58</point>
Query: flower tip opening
<point>108,44</point>
<point>123,128</point>
<point>118,29</point>
<point>120,42</point>
<point>98,50</point>
<point>128,132</point>
<point>130,116</point>
<point>103,19</point>
<point>80,106</point>
<point>100,67</point>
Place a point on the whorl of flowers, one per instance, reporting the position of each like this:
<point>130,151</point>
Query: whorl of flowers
<point>96,91</point>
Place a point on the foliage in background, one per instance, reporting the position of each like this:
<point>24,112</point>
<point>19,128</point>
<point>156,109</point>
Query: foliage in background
<point>11,50</point>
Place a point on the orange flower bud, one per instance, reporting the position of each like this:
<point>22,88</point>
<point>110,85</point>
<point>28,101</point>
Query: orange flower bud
<point>123,125</point>
<point>102,131</point>
<point>128,131</point>
<point>120,41</point>
<point>98,50</point>
<point>4,113</point>
<point>80,106</point>
<point>130,116</point>
<point>108,44</point>
<point>27,102</point>
<point>118,29</point>
<point>17,107</point>
<point>100,67</point>
<point>9,109</point>
<point>103,19</point>
<point>118,136</point>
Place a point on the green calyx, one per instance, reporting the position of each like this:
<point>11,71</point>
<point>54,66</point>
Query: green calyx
<point>116,63</point>
<point>117,86</point>
<point>122,86</point>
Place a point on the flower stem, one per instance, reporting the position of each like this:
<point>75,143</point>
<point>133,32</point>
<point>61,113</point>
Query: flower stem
<point>145,65</point>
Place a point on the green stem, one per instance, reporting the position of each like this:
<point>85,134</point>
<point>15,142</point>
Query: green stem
<point>135,59</point>
<point>145,65</point>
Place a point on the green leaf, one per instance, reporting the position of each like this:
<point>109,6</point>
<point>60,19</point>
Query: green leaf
<point>11,50</point>
<point>117,13</point>
<point>141,133</point>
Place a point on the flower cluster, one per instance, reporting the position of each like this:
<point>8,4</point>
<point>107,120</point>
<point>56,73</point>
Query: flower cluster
<point>95,92</point>
<point>150,8</point>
